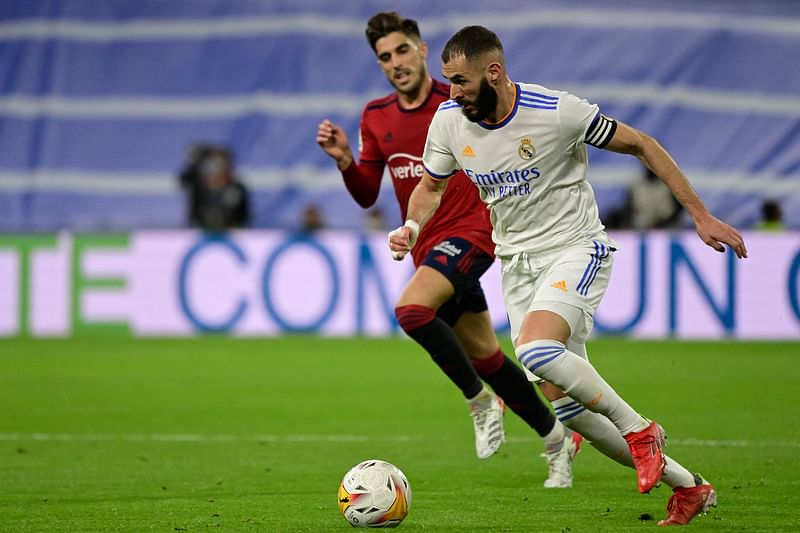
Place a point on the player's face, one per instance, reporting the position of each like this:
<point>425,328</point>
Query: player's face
<point>470,88</point>
<point>402,60</point>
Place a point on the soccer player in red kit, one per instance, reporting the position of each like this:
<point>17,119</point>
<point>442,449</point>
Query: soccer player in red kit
<point>443,306</point>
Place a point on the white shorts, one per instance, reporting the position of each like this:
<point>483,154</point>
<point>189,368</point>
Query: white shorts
<point>569,282</point>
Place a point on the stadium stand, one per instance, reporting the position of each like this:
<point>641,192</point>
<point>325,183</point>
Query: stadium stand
<point>99,101</point>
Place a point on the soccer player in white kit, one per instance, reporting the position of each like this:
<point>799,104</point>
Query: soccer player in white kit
<point>523,146</point>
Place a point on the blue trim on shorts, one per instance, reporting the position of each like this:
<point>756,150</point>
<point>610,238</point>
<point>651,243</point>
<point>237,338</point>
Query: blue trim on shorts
<point>601,251</point>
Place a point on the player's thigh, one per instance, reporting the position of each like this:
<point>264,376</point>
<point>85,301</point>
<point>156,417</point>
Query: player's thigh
<point>557,321</point>
<point>568,293</point>
<point>449,276</point>
<point>476,333</point>
<point>519,287</point>
<point>427,287</point>
<point>467,310</point>
<point>545,324</point>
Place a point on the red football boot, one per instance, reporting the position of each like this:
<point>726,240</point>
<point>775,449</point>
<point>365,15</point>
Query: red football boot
<point>648,455</point>
<point>688,502</point>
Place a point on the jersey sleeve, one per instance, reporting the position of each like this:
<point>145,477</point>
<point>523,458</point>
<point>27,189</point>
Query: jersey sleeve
<point>582,122</point>
<point>363,182</point>
<point>438,157</point>
<point>363,179</point>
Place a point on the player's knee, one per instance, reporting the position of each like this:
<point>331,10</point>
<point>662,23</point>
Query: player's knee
<point>411,317</point>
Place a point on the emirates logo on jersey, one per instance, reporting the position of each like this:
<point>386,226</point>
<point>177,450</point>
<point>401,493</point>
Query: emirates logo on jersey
<point>405,166</point>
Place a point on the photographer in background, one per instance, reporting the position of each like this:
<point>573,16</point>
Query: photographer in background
<point>771,217</point>
<point>649,204</point>
<point>217,200</point>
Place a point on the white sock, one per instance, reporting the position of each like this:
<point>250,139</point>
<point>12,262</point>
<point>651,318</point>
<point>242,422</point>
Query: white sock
<point>550,360</point>
<point>595,428</point>
<point>676,475</point>
<point>554,440</point>
<point>483,396</point>
<point>603,436</point>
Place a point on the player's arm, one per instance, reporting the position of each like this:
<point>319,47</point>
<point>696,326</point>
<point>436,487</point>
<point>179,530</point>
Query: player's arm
<point>439,165</point>
<point>363,181</point>
<point>712,231</point>
<point>424,200</point>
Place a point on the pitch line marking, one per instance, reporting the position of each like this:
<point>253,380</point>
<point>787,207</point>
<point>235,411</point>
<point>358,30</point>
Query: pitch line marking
<point>197,437</point>
<point>299,438</point>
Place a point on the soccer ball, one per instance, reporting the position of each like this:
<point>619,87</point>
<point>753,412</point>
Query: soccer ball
<point>374,493</point>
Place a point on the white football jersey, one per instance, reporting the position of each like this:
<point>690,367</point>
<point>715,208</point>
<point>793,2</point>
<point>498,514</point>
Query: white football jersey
<point>530,167</point>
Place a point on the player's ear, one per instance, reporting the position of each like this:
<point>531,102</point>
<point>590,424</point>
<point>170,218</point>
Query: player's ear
<point>423,50</point>
<point>494,72</point>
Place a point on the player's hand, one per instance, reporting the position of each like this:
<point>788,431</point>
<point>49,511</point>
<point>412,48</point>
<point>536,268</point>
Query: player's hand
<point>333,141</point>
<point>402,239</point>
<point>715,233</point>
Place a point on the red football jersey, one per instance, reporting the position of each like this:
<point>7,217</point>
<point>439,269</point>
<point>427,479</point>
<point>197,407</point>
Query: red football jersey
<point>395,137</point>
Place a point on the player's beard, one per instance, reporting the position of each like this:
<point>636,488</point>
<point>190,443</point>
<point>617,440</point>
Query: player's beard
<point>484,105</point>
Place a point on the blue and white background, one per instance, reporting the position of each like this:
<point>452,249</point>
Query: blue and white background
<point>99,100</point>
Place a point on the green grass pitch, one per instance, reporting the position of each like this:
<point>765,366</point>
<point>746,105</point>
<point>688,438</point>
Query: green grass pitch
<point>216,434</point>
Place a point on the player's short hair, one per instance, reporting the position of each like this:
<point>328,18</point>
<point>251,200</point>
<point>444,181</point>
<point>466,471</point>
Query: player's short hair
<point>383,24</point>
<point>472,42</point>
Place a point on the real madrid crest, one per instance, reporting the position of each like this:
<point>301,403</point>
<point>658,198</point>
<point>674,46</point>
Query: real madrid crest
<point>526,150</point>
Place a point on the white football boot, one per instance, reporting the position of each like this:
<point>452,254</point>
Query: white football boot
<point>559,463</point>
<point>486,410</point>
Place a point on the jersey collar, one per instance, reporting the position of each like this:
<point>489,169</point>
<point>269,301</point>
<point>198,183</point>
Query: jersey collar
<point>506,119</point>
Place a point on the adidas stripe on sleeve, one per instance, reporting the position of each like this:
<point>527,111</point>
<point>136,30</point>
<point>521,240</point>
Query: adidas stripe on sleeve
<point>601,131</point>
